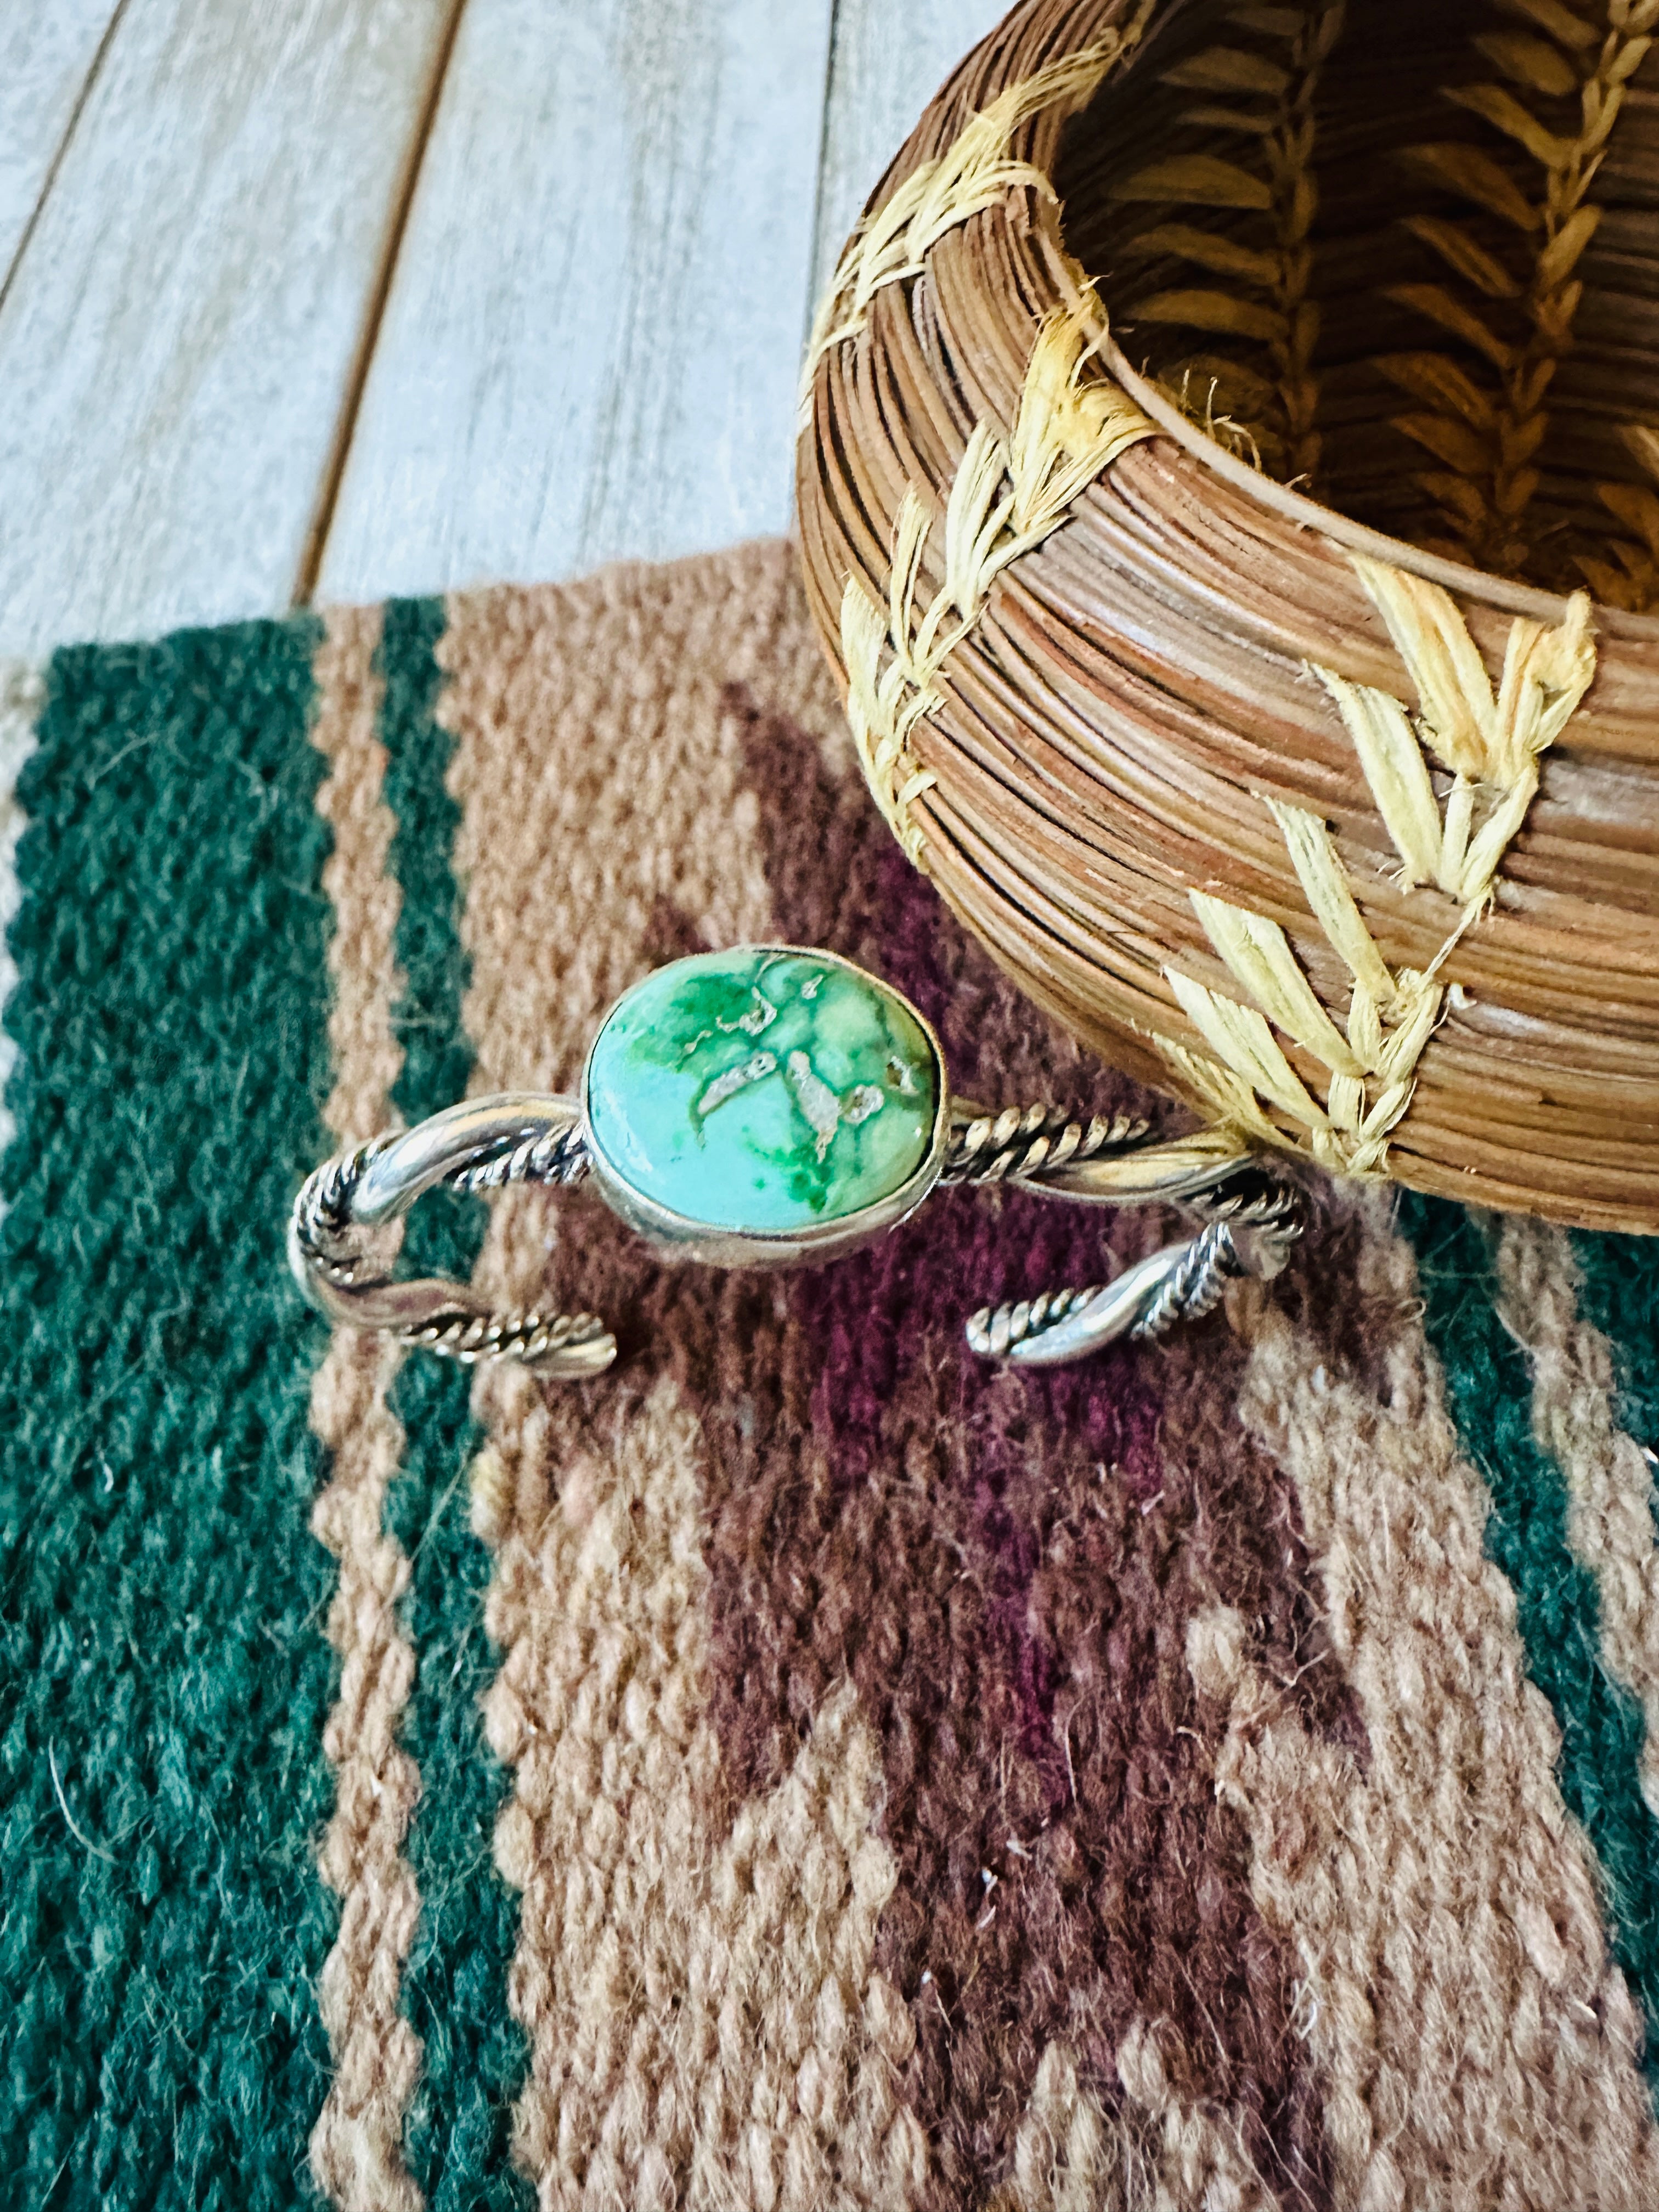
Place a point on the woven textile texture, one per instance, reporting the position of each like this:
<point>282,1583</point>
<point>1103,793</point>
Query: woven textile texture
<point>806,1767</point>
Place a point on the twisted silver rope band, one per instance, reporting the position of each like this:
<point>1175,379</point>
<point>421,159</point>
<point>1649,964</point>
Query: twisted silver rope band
<point>1251,1218</point>
<point>555,1156</point>
<point>1182,1282</point>
<point>1029,1141</point>
<point>330,1256</point>
<point>549,1343</point>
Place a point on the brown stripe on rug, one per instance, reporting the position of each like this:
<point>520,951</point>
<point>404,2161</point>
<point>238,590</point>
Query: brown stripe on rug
<point>706,2025</point>
<point>753,1360</point>
<point>1002,1569</point>
<point>599,783</point>
<point>1609,1479</point>
<point>597,764</point>
<point>356,2146</point>
<point>1476,2044</point>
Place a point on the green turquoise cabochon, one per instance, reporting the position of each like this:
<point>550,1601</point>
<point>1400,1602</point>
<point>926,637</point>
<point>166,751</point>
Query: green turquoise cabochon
<point>765,1091</point>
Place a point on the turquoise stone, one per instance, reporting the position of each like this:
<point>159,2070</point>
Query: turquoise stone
<point>761,1089</point>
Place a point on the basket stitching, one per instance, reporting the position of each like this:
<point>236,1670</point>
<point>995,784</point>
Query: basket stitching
<point>1487,441</point>
<point>1070,426</point>
<point>1269,300</point>
<point>1491,744</point>
<point>1633,584</point>
<point>891,244</point>
<point>1370,1069</point>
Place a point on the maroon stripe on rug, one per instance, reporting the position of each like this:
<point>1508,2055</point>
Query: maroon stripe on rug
<point>1005,1566</point>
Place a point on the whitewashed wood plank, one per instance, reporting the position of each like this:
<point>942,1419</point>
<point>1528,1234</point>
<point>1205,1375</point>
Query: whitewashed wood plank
<point>891,57</point>
<point>46,53</point>
<point>186,318</point>
<point>591,345</point>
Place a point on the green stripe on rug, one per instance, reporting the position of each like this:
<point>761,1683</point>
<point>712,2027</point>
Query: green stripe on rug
<point>163,1682</point>
<point>1489,1386</point>
<point>1621,1298</point>
<point>455,1981</point>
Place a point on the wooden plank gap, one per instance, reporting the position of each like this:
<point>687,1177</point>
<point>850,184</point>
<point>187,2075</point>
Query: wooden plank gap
<point>57,162</point>
<point>592,345</point>
<point>177,342</point>
<point>322,520</point>
<point>820,210</point>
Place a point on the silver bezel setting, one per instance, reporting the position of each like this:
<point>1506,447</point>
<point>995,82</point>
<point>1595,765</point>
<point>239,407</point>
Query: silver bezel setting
<point>678,1238</point>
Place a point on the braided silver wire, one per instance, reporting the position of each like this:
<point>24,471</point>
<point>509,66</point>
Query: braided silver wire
<point>1030,1141</point>
<point>1250,1217</point>
<point>533,1339</point>
<point>1253,1217</point>
<point>333,1259</point>
<point>993,1331</point>
<point>1198,1285</point>
<point>322,1228</point>
<point>559,1157</point>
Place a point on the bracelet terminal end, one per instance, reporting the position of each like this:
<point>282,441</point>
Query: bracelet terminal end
<point>478,1145</point>
<point>1252,1220</point>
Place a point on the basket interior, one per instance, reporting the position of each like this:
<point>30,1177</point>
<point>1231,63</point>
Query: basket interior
<point>1403,254</point>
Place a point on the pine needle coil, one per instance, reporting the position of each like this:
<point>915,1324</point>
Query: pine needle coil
<point>1294,765</point>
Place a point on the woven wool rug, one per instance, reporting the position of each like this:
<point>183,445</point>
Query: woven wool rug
<point>807,1767</point>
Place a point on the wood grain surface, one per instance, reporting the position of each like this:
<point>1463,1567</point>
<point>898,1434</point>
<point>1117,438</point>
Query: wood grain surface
<point>182,328</point>
<point>47,54</point>
<point>591,346</point>
<point>332,302</point>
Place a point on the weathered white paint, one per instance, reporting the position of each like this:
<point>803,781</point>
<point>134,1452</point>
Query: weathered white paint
<point>182,324</point>
<point>592,342</point>
<point>593,328</point>
<point>47,48</point>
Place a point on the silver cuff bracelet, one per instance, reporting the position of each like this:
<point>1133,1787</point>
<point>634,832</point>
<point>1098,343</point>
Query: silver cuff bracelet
<point>776,1106</point>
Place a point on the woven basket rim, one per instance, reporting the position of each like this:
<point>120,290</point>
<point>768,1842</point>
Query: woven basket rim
<point>1480,585</point>
<point>1083,771</point>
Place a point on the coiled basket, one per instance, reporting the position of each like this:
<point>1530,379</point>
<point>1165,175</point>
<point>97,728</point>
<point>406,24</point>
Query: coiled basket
<point>1228,490</point>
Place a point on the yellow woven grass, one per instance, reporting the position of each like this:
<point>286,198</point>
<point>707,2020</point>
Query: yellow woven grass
<point>1005,499</point>
<point>1629,574</point>
<point>1491,741</point>
<point>1491,744</point>
<point>975,172</point>
<point>1486,435</point>
<point>1370,1068</point>
<point>1258,85</point>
